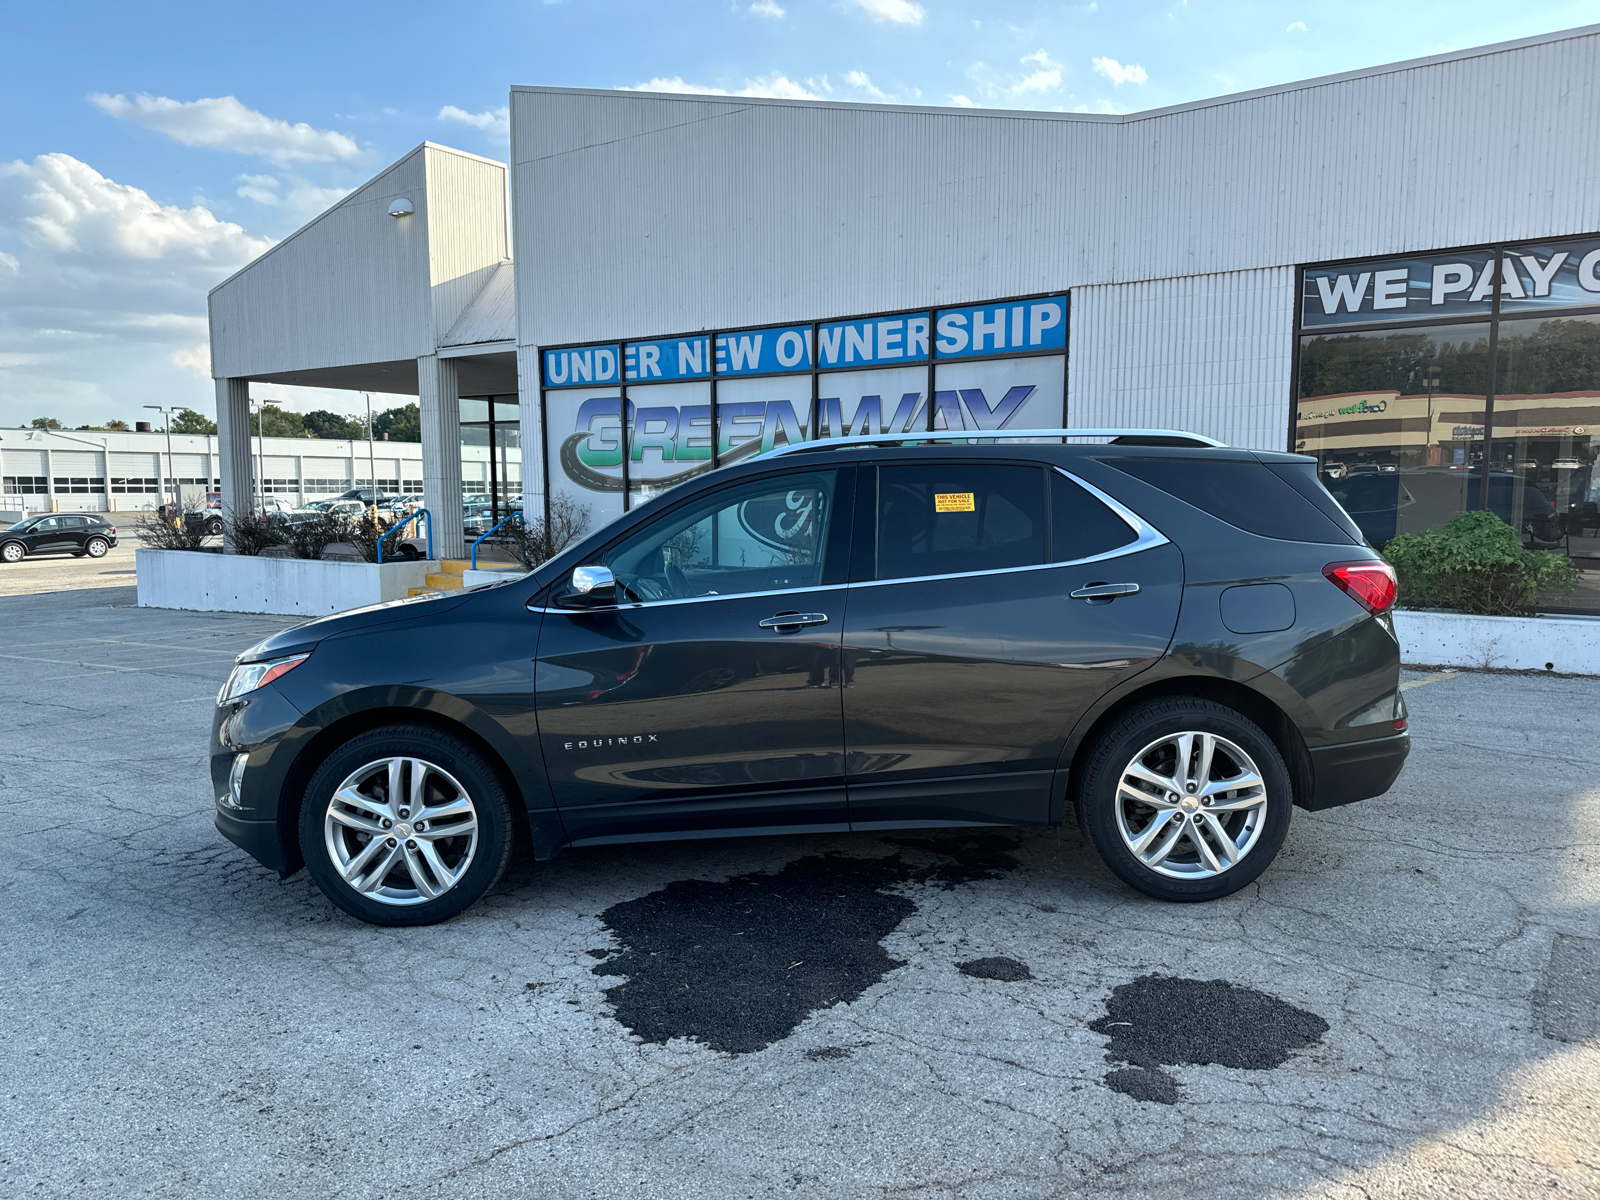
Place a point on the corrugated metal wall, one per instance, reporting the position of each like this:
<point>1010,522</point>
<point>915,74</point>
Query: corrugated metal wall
<point>466,230</point>
<point>351,287</point>
<point>1210,353</point>
<point>644,215</point>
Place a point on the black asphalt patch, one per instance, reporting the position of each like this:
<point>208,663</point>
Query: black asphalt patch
<point>738,964</point>
<point>1007,970</point>
<point>1158,1021</point>
<point>1567,1002</point>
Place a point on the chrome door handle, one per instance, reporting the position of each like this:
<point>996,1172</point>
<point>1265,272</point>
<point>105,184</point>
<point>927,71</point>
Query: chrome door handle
<point>1104,591</point>
<point>793,620</point>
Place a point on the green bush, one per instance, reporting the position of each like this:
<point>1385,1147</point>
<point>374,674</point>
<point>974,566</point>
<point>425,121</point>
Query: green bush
<point>1477,564</point>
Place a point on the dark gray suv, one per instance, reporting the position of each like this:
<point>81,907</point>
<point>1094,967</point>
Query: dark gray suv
<point>1173,644</point>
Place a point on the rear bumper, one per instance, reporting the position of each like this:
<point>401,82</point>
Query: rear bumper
<point>1354,771</point>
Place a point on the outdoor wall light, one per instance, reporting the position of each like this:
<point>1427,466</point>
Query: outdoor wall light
<point>401,207</point>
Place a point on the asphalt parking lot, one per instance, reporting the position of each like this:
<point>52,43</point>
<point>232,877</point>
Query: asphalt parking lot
<point>1407,1004</point>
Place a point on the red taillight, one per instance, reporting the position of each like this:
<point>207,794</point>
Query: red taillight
<point>1371,584</point>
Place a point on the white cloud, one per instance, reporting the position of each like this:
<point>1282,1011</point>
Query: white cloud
<point>303,199</point>
<point>1046,79</point>
<point>1119,74</point>
<point>263,189</point>
<point>768,8</point>
<point>893,12</point>
<point>195,358</point>
<point>491,120</point>
<point>9,264</point>
<point>961,101</point>
<point>1296,27</point>
<point>222,123</point>
<point>862,82</point>
<point>774,86</point>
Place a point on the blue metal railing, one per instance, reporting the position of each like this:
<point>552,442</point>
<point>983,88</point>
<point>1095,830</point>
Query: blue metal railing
<point>516,516</point>
<point>411,520</point>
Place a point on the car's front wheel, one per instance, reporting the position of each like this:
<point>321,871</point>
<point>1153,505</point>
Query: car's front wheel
<point>13,552</point>
<point>406,825</point>
<point>1185,799</point>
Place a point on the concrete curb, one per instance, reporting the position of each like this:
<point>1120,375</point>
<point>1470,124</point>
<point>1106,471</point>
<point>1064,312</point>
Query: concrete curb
<point>1566,644</point>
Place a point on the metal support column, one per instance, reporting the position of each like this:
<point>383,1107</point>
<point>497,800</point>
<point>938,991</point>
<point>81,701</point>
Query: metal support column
<point>237,459</point>
<point>439,404</point>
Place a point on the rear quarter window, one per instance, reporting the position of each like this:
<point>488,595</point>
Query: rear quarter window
<point>1242,492</point>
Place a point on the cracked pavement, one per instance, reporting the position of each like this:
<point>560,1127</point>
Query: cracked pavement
<point>180,1022</point>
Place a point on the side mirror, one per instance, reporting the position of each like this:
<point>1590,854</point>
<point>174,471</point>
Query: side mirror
<point>590,587</point>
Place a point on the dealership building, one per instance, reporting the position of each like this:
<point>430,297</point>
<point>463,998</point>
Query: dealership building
<point>1396,270</point>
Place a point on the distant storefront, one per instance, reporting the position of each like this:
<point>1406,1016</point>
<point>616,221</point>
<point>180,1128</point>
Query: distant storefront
<point>1455,380</point>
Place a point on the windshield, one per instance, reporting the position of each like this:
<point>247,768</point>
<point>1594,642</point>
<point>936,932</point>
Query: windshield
<point>25,523</point>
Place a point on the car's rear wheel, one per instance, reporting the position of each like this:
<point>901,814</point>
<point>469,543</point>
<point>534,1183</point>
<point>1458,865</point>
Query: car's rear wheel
<point>13,552</point>
<point>1185,799</point>
<point>406,825</point>
<point>97,547</point>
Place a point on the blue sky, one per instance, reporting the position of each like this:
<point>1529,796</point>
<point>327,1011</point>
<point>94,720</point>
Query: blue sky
<point>147,151</point>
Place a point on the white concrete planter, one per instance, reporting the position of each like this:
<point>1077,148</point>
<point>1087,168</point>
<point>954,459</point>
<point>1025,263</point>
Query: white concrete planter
<point>1567,644</point>
<point>471,578</point>
<point>207,582</point>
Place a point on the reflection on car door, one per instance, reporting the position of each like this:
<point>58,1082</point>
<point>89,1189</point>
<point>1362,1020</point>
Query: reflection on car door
<point>48,535</point>
<point>698,704</point>
<point>967,657</point>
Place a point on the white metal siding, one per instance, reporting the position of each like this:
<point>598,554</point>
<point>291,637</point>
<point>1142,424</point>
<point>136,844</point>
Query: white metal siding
<point>1207,353</point>
<point>78,462</point>
<point>138,465</point>
<point>22,462</point>
<point>641,214</point>
<point>189,466</point>
<point>351,287</point>
<point>466,230</point>
<point>279,466</point>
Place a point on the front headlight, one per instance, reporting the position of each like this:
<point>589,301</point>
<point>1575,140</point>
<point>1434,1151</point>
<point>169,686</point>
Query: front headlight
<point>247,677</point>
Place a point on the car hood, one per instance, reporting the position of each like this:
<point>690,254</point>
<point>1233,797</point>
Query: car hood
<point>303,637</point>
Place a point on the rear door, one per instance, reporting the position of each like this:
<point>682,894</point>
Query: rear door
<point>967,657</point>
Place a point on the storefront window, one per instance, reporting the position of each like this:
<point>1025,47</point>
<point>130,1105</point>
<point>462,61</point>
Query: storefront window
<point>1394,400</point>
<point>491,460</point>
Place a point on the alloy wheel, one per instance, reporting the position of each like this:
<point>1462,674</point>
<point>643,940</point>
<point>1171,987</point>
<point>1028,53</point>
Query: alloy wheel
<point>11,552</point>
<point>97,548</point>
<point>401,831</point>
<point>1191,805</point>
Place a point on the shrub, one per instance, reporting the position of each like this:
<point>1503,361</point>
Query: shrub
<point>308,536</point>
<point>159,533</point>
<point>1477,564</point>
<point>252,532</point>
<point>362,532</point>
<point>540,540</point>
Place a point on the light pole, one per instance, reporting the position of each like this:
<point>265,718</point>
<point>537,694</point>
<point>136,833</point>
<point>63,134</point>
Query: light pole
<point>260,407</point>
<point>372,468</point>
<point>177,495</point>
<point>1431,379</point>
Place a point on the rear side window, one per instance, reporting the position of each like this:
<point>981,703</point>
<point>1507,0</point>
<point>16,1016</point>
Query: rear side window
<point>1302,477</point>
<point>1244,493</point>
<point>948,518</point>
<point>1080,525</point>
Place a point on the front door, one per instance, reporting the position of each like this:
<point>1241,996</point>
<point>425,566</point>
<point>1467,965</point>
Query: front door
<point>967,654</point>
<point>708,699</point>
<point>49,535</point>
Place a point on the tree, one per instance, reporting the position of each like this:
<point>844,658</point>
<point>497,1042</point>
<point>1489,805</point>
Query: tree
<point>117,426</point>
<point>278,423</point>
<point>46,423</point>
<point>186,420</point>
<point>325,424</point>
<point>403,424</point>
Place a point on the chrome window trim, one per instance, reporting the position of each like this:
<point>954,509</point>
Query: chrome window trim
<point>1146,537</point>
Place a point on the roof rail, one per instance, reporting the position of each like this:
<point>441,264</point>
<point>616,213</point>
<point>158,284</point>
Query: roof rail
<point>1145,437</point>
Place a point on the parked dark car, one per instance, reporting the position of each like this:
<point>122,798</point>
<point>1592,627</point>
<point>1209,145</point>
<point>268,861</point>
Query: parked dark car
<point>1385,504</point>
<point>77,534</point>
<point>1171,644</point>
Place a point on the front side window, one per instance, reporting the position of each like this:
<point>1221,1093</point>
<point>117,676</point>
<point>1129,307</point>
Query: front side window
<point>951,518</point>
<point>763,536</point>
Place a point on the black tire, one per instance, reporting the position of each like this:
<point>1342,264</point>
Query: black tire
<point>467,767</point>
<point>13,552</point>
<point>1114,752</point>
<point>214,526</point>
<point>96,547</point>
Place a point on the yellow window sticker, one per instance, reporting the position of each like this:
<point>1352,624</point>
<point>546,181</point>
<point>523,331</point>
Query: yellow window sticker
<point>953,502</point>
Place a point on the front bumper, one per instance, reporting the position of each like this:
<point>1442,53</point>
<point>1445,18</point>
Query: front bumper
<point>1352,771</point>
<point>259,839</point>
